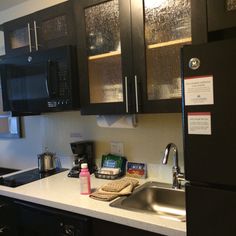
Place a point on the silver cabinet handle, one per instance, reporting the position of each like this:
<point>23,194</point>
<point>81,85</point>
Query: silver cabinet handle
<point>136,92</point>
<point>29,37</point>
<point>36,36</point>
<point>126,95</point>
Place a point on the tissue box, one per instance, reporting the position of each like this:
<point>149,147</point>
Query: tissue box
<point>112,167</point>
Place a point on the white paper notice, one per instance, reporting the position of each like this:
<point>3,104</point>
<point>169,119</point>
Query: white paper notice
<point>198,90</point>
<point>199,123</point>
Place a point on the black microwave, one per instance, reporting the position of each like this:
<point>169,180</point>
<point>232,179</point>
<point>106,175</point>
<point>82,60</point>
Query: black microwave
<point>44,81</point>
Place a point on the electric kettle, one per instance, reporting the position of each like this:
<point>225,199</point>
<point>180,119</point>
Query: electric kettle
<point>47,161</point>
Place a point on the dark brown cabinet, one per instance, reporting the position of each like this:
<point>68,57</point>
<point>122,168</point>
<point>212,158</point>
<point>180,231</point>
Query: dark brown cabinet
<point>21,218</point>
<point>130,54</point>
<point>213,20</point>
<point>34,219</point>
<point>221,14</point>
<point>8,217</point>
<point>102,227</point>
<point>48,28</point>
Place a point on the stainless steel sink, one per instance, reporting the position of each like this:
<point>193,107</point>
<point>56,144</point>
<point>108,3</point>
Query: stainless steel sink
<point>156,198</point>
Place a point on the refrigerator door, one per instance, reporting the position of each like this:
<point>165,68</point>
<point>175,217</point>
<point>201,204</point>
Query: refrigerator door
<point>209,117</point>
<point>210,211</point>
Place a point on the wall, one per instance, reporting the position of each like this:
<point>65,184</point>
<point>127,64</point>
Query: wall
<point>144,143</point>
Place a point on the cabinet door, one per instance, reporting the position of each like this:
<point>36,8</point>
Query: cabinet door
<point>8,217</point>
<point>54,26</point>
<point>221,14</point>
<point>105,59</point>
<point>18,35</point>
<point>159,30</point>
<point>102,227</point>
<point>34,221</point>
<point>49,28</point>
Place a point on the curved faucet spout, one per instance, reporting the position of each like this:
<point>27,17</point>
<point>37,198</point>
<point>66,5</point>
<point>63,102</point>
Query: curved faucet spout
<point>177,175</point>
<point>166,154</point>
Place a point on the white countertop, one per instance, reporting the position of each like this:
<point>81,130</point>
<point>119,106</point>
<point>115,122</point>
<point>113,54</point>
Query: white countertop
<point>62,192</point>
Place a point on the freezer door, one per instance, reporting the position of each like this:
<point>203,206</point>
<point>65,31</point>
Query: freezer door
<point>209,112</point>
<point>210,211</point>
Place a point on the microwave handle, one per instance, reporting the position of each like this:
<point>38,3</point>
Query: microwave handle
<point>52,79</point>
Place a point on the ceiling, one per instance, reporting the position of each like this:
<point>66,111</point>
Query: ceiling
<point>4,4</point>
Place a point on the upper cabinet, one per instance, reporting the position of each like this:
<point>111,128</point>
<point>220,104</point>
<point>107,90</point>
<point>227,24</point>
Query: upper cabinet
<point>167,27</point>
<point>213,20</point>
<point>130,54</point>
<point>105,61</point>
<point>48,28</point>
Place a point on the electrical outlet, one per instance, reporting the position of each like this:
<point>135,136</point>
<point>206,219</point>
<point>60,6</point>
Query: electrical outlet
<point>117,148</point>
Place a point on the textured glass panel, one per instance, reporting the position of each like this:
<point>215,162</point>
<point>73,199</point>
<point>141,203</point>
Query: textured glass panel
<point>163,72</point>
<point>55,28</point>
<point>167,20</point>
<point>19,38</point>
<point>231,5</point>
<point>103,28</point>
<point>167,29</point>
<point>103,47</point>
<point>105,80</point>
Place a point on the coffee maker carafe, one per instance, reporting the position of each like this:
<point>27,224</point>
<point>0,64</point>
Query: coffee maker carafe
<point>83,152</point>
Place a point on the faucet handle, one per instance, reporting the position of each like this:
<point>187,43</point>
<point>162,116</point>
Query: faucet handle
<point>178,177</point>
<point>181,176</point>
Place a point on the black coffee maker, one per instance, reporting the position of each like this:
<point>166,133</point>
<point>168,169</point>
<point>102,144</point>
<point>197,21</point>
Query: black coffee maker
<point>83,152</point>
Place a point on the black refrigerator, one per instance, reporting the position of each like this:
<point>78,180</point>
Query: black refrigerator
<point>209,124</point>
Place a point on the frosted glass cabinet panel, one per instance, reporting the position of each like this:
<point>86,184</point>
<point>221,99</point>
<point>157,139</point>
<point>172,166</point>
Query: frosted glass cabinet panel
<point>103,50</point>
<point>19,38</point>
<point>167,29</point>
<point>54,28</point>
<point>231,5</point>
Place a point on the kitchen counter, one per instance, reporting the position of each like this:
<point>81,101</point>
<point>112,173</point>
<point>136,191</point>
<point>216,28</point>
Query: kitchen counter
<point>62,192</point>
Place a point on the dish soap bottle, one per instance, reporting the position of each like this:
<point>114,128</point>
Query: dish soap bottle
<point>84,177</point>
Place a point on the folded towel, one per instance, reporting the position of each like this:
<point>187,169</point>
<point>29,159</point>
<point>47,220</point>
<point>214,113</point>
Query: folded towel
<point>114,189</point>
<point>103,196</point>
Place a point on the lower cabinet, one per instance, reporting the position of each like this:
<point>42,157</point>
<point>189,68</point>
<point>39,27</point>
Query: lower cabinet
<point>37,220</point>
<point>19,218</point>
<point>8,218</point>
<point>107,228</point>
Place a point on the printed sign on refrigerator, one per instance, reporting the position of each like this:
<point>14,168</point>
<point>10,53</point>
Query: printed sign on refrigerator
<point>199,123</point>
<point>198,90</point>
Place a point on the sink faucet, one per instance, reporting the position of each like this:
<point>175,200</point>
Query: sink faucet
<point>177,175</point>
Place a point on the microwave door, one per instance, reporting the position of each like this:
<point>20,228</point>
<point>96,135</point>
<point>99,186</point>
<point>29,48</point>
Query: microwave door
<point>26,86</point>
<point>14,86</point>
<point>3,76</point>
